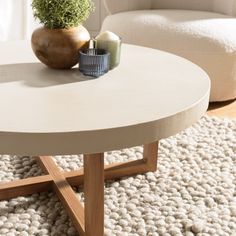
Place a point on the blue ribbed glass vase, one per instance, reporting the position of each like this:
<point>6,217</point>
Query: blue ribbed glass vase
<point>94,62</point>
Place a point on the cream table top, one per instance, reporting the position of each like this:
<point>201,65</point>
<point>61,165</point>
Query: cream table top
<point>150,96</point>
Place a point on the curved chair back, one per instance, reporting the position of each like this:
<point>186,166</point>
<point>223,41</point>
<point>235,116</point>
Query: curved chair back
<point>115,6</point>
<point>227,7</point>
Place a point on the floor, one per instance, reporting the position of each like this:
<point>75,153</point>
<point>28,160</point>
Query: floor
<point>223,109</point>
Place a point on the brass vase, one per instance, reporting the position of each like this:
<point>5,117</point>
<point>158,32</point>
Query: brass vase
<point>58,48</point>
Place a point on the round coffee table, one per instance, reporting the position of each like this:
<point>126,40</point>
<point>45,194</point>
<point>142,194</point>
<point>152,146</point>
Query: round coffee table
<point>150,96</point>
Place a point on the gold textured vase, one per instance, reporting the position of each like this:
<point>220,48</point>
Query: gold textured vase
<point>58,48</point>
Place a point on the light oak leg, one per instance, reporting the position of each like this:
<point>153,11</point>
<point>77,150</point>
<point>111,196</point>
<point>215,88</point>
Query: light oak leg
<point>119,170</point>
<point>65,193</point>
<point>150,156</point>
<point>88,221</point>
<point>94,194</point>
<point>25,187</point>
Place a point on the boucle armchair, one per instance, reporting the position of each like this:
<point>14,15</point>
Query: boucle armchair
<point>203,31</point>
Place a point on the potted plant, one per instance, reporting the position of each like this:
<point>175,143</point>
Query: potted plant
<point>58,42</point>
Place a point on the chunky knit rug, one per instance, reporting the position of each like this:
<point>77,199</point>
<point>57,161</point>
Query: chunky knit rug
<point>192,193</point>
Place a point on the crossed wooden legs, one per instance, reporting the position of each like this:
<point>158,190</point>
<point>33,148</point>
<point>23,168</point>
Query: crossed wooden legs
<point>88,220</point>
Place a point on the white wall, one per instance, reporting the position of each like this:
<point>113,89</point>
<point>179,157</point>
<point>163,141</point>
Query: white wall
<point>17,22</point>
<point>93,24</point>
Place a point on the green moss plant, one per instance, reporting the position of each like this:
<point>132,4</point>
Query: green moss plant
<point>60,14</point>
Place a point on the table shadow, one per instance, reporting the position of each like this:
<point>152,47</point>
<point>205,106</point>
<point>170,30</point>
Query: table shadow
<point>38,75</point>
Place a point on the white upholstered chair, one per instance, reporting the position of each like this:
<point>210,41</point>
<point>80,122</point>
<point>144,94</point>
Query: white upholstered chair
<point>203,31</point>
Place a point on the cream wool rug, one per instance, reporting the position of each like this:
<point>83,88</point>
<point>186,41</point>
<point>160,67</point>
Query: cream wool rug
<point>192,193</point>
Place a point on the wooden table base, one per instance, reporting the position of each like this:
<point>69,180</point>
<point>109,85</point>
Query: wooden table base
<point>88,220</point>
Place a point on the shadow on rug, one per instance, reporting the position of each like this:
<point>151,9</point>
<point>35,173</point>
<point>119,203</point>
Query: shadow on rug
<point>192,193</point>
